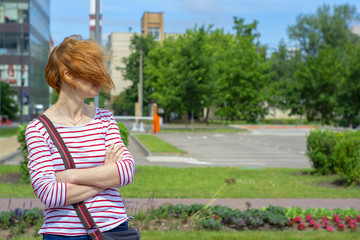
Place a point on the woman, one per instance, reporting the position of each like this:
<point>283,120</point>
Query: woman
<point>77,70</point>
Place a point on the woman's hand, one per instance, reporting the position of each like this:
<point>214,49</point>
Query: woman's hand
<point>114,154</point>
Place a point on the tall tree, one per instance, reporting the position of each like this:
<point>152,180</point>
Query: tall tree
<point>325,27</point>
<point>284,63</point>
<point>349,88</point>
<point>183,76</point>
<point>317,82</point>
<point>242,76</point>
<point>9,106</point>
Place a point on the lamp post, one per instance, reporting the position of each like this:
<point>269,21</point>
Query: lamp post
<point>21,70</point>
<point>140,86</point>
<point>257,35</point>
<point>97,36</point>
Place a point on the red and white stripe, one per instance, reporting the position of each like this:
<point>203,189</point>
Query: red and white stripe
<point>87,145</point>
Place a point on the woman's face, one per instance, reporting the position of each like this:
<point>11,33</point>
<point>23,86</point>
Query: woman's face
<point>86,89</point>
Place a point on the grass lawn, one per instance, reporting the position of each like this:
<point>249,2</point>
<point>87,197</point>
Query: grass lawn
<point>254,235</point>
<point>8,132</point>
<point>204,182</point>
<point>156,145</point>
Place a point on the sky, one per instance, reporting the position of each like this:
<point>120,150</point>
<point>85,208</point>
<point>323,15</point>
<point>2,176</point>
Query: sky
<point>69,17</point>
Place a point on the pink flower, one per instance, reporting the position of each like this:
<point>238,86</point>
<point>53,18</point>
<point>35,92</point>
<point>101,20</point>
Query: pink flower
<point>308,217</point>
<point>325,225</point>
<point>316,227</point>
<point>336,216</point>
<point>215,217</point>
<point>297,219</point>
<point>348,219</point>
<point>311,223</point>
<point>352,226</point>
<point>352,221</point>
<point>329,229</point>
<point>341,227</point>
<point>337,221</point>
<point>301,226</point>
<point>358,218</point>
<point>325,219</point>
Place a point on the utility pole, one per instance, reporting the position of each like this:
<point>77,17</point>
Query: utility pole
<point>140,85</point>
<point>97,37</point>
<point>21,71</point>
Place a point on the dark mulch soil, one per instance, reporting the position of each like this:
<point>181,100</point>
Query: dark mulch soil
<point>10,178</point>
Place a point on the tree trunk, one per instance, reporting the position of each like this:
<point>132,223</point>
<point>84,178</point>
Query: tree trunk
<point>192,120</point>
<point>207,116</point>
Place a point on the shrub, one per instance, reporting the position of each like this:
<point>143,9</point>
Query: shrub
<point>25,177</point>
<point>124,132</point>
<point>347,158</point>
<point>320,149</point>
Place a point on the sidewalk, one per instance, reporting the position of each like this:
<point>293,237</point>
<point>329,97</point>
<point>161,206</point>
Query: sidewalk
<point>9,153</point>
<point>134,205</point>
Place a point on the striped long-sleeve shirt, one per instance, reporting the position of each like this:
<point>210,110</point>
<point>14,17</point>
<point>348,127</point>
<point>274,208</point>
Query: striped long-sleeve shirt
<point>87,145</point>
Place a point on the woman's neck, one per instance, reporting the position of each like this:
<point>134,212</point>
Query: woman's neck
<point>70,106</point>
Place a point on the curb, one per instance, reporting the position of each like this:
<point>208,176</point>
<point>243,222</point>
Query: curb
<point>10,156</point>
<point>149,153</point>
<point>278,127</point>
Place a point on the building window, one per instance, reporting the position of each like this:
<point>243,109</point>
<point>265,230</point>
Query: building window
<point>14,12</point>
<point>155,32</point>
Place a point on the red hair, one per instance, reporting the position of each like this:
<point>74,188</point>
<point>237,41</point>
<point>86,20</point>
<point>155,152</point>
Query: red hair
<point>81,59</point>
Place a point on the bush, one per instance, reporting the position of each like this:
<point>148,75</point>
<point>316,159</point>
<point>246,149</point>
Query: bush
<point>347,158</point>
<point>25,177</point>
<point>124,132</point>
<point>320,149</point>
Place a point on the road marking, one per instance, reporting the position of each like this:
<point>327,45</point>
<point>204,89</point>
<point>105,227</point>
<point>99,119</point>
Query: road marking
<point>170,159</point>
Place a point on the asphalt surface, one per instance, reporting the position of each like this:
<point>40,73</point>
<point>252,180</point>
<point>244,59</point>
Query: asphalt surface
<point>258,148</point>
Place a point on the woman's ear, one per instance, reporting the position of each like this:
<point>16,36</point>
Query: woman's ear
<point>66,74</point>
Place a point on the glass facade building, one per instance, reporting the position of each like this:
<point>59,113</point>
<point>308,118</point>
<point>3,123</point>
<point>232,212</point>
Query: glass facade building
<point>24,51</point>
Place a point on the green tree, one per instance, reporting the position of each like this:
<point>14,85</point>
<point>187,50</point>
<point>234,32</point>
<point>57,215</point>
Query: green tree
<point>162,69</point>
<point>325,27</point>
<point>9,106</point>
<point>242,76</point>
<point>317,82</point>
<point>349,88</point>
<point>131,71</point>
<point>182,72</point>
<point>282,90</point>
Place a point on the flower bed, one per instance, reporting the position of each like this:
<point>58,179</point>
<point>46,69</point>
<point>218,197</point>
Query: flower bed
<point>202,217</point>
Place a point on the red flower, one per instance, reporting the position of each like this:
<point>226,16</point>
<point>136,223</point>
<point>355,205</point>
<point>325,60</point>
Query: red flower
<point>311,223</point>
<point>341,227</point>
<point>308,217</point>
<point>348,219</point>
<point>358,218</point>
<point>329,229</point>
<point>215,217</point>
<point>297,219</point>
<point>316,227</point>
<point>301,226</point>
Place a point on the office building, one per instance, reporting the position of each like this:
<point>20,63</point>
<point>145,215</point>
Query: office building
<point>24,51</point>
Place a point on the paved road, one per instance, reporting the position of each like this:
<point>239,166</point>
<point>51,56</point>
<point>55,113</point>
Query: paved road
<point>253,150</point>
<point>256,149</point>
